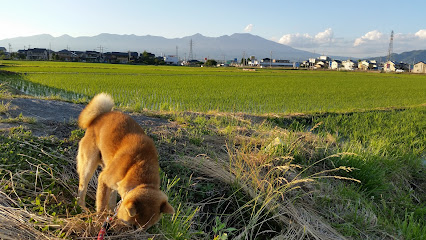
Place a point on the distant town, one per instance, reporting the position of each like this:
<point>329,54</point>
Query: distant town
<point>321,62</point>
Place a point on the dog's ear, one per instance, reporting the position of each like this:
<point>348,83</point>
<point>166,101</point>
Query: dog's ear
<point>131,209</point>
<point>167,208</point>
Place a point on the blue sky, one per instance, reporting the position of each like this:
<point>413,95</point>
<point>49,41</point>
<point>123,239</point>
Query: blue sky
<point>348,28</point>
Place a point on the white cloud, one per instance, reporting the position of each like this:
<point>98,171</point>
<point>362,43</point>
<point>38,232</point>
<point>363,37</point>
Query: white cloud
<point>295,39</point>
<point>370,36</point>
<point>324,37</point>
<point>248,28</point>
<point>305,40</point>
<point>371,44</point>
<point>421,34</point>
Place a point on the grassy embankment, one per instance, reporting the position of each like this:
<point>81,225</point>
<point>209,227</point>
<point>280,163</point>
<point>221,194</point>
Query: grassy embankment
<point>343,168</point>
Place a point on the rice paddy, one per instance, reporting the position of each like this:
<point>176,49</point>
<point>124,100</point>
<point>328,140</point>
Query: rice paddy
<point>220,89</point>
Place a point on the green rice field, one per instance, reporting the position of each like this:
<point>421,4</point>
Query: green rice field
<point>219,89</point>
<point>359,151</point>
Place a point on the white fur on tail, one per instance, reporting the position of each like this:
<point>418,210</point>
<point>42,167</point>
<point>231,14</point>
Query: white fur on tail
<point>100,104</point>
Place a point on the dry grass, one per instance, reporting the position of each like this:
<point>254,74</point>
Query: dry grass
<point>18,223</point>
<point>19,220</point>
<point>273,183</point>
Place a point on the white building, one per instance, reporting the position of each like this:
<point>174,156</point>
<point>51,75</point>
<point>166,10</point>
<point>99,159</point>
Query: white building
<point>171,60</point>
<point>266,62</point>
<point>391,66</point>
<point>349,65</point>
<point>419,67</point>
<point>365,65</point>
<point>336,64</point>
<point>324,58</point>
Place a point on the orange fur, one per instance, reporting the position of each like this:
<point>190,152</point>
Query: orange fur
<point>130,164</point>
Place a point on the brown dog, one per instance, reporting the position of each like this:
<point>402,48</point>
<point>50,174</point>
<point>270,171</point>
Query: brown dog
<point>129,160</point>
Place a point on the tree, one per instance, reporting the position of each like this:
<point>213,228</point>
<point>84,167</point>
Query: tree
<point>211,63</point>
<point>150,59</point>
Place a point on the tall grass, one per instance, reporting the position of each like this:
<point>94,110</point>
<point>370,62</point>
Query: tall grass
<point>390,149</point>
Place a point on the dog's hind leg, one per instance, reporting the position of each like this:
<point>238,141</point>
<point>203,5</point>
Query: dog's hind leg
<point>88,159</point>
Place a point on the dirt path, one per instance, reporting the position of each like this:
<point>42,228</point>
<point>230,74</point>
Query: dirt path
<point>57,117</point>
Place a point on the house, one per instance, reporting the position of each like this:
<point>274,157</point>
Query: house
<point>38,54</point>
<point>349,65</point>
<point>336,64</point>
<point>91,56</point>
<point>419,67</point>
<point>63,55</point>
<point>365,65</point>
<point>67,56</point>
<point>3,49</point>
<point>391,66</point>
<point>121,57</point>
<point>253,63</point>
<point>374,65</point>
<point>321,64</point>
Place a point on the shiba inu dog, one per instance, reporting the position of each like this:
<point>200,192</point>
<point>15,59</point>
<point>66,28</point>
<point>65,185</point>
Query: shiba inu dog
<point>129,160</point>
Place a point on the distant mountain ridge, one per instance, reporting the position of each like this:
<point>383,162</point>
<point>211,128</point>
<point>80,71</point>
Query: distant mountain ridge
<point>406,57</point>
<point>226,47</point>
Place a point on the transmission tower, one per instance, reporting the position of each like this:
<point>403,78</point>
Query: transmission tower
<point>191,56</point>
<point>390,50</point>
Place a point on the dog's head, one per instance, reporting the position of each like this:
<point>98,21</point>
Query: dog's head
<point>143,207</point>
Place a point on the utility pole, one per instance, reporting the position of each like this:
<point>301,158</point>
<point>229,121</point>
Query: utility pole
<point>101,51</point>
<point>177,55</point>
<point>191,56</point>
<point>270,62</point>
<point>10,51</point>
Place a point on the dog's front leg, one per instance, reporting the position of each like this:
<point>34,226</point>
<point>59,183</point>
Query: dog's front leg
<point>102,194</point>
<point>112,200</point>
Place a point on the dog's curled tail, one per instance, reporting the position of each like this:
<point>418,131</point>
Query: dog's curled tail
<point>100,104</point>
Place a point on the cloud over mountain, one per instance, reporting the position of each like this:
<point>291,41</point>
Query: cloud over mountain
<point>248,28</point>
<point>372,43</point>
<point>370,36</point>
<point>307,41</point>
<point>421,34</point>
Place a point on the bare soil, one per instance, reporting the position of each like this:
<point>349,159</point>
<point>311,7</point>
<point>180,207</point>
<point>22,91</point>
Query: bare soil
<point>58,118</point>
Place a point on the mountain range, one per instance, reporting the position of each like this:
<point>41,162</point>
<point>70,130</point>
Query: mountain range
<point>406,57</point>
<point>224,47</point>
